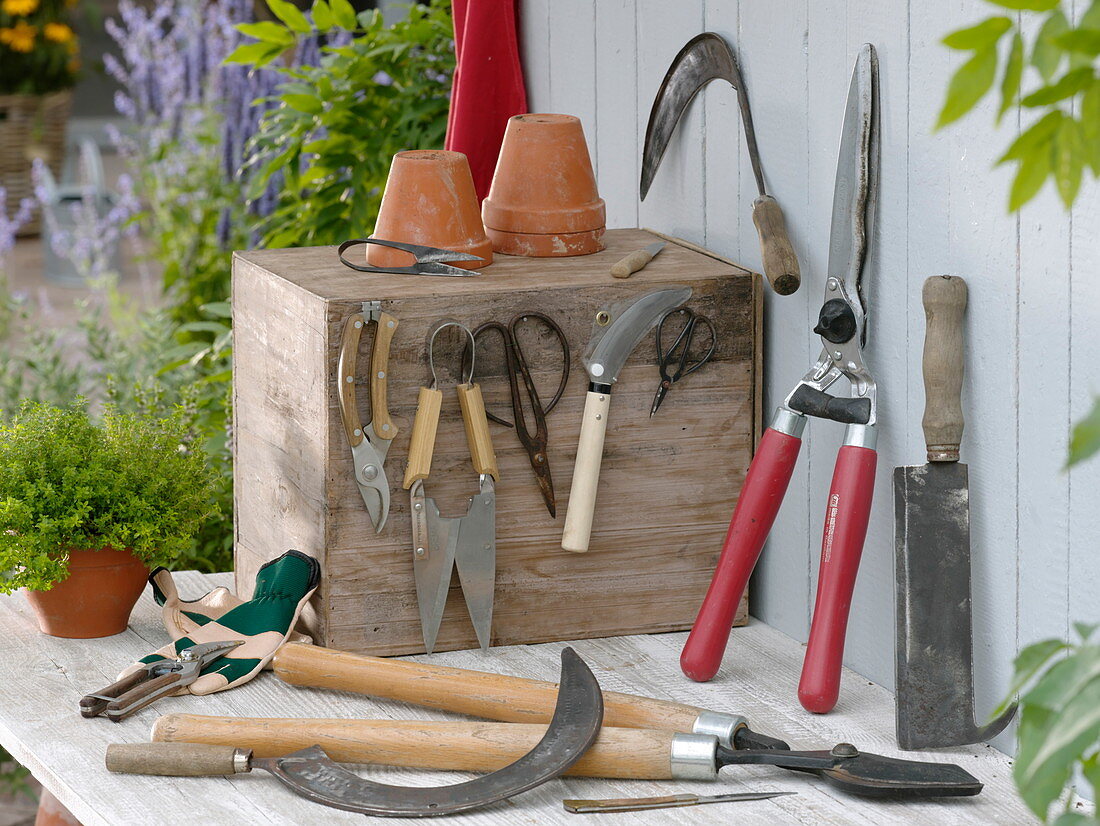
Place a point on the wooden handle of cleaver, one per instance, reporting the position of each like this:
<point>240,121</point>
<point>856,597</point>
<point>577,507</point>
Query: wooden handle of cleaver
<point>474,693</point>
<point>586,474</point>
<point>944,304</point>
<point>779,261</point>
<point>449,746</point>
<point>422,444</point>
<point>482,455</point>
<point>177,759</point>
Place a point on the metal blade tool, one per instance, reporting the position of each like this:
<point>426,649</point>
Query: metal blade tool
<point>935,648</point>
<point>705,58</point>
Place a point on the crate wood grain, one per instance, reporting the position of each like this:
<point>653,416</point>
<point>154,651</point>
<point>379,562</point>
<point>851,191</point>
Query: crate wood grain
<point>667,488</point>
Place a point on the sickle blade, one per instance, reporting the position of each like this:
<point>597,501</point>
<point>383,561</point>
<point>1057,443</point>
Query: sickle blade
<point>573,729</point>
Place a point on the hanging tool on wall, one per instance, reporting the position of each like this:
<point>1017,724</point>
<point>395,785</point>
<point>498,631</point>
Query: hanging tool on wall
<point>671,740</point>
<point>578,712</point>
<point>617,330</point>
<point>370,444</point>
<point>441,544</point>
<point>426,260</point>
<point>680,352</point>
<point>630,264</point>
<point>935,646</point>
<point>842,325</point>
<point>519,374</point>
<point>708,57</point>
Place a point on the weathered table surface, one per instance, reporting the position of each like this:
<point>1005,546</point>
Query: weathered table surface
<point>44,677</point>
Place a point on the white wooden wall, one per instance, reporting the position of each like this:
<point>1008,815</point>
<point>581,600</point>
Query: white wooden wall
<point>1034,316</point>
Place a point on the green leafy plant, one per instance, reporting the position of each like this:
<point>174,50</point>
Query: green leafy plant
<point>1050,67</point>
<point>1059,686</point>
<point>340,122</point>
<point>38,49</point>
<point>133,481</point>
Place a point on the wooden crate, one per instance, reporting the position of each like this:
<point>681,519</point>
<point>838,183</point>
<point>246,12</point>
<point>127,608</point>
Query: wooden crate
<point>667,489</point>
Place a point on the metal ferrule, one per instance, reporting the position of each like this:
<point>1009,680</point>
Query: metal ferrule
<point>719,724</point>
<point>861,435</point>
<point>788,421</point>
<point>242,761</point>
<point>694,757</point>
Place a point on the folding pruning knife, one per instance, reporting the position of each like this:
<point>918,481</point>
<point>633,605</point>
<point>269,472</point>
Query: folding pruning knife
<point>369,444</point>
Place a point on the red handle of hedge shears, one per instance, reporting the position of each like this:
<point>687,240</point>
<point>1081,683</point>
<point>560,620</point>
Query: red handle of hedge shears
<point>761,495</point>
<point>846,516</point>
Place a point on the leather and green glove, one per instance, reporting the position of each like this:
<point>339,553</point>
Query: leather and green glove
<point>283,587</point>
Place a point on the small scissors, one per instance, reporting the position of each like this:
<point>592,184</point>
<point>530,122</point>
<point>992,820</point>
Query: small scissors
<point>516,365</point>
<point>428,260</point>
<point>684,367</point>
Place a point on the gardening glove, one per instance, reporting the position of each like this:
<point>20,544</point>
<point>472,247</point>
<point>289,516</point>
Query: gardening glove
<point>265,622</point>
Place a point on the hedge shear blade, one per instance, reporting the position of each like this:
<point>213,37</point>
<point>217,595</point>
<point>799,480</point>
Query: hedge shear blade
<point>842,326</point>
<point>428,260</point>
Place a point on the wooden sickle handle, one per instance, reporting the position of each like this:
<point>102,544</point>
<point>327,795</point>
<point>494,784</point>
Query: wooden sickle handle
<point>379,366</point>
<point>345,376</point>
<point>176,759</point>
<point>586,474</point>
<point>422,444</point>
<point>780,262</point>
<point>477,429</point>
<point>629,265</point>
<point>451,746</point>
<point>474,693</point>
<point>944,304</point>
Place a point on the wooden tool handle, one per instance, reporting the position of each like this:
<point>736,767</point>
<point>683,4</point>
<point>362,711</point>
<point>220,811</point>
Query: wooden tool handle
<point>176,759</point>
<point>422,444</point>
<point>586,474</point>
<point>379,374</point>
<point>474,693</point>
<point>629,265</point>
<point>477,429</point>
<point>345,376</point>
<point>93,705</point>
<point>780,262</point>
<point>141,695</point>
<point>452,746</point>
<point>944,305</point>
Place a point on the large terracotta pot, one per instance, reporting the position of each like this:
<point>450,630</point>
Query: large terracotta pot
<point>96,599</point>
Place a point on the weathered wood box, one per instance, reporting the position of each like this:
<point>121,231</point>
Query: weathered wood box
<point>668,486</point>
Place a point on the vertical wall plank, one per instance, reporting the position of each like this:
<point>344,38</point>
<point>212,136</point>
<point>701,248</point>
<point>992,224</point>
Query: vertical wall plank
<point>619,139</point>
<point>534,50</point>
<point>573,65</point>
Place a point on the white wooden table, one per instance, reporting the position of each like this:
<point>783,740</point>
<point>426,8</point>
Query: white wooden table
<point>42,679</point>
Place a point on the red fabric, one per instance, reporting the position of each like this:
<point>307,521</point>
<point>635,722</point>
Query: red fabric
<point>488,84</point>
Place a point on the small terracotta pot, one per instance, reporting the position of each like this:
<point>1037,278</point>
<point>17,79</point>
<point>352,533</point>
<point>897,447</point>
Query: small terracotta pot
<point>52,813</point>
<point>97,598</point>
<point>543,201</point>
<point>430,200</point>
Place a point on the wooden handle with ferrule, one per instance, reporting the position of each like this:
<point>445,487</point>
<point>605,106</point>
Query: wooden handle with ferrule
<point>586,474</point>
<point>482,455</point>
<point>459,690</point>
<point>422,444</point>
<point>176,759</point>
<point>379,374</point>
<point>629,265</point>
<point>345,376</point>
<point>780,262</point>
<point>448,746</point>
<point>944,305</point>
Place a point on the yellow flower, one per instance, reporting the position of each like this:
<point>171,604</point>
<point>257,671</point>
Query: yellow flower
<point>58,32</point>
<point>19,8</point>
<point>20,37</point>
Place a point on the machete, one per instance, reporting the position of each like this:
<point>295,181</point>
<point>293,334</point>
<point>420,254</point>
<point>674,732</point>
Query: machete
<point>310,773</point>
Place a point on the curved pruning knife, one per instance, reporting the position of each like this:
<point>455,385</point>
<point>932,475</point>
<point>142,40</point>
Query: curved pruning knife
<point>369,444</point>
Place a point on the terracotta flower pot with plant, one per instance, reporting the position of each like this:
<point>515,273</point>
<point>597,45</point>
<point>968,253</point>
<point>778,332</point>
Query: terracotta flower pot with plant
<point>87,508</point>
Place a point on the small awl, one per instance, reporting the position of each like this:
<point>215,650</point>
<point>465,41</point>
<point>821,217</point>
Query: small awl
<point>668,801</point>
<point>627,266</point>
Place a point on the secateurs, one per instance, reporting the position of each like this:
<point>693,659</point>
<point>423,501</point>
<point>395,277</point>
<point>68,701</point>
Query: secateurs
<point>370,444</point>
<point>842,326</point>
<point>441,544</point>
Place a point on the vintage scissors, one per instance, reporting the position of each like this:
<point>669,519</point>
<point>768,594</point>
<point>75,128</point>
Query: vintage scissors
<point>154,680</point>
<point>685,366</point>
<point>428,260</point>
<point>518,371</point>
<point>370,444</point>
<point>842,327</point>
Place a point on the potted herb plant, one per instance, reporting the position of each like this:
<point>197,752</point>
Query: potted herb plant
<point>87,508</point>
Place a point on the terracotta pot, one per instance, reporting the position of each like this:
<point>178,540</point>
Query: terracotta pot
<point>430,200</point>
<point>543,201</point>
<point>52,813</point>
<point>96,599</point>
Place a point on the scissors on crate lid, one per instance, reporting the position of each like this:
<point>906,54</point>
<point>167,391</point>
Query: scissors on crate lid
<point>427,260</point>
<point>518,372</point>
<point>680,351</point>
<point>842,326</point>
